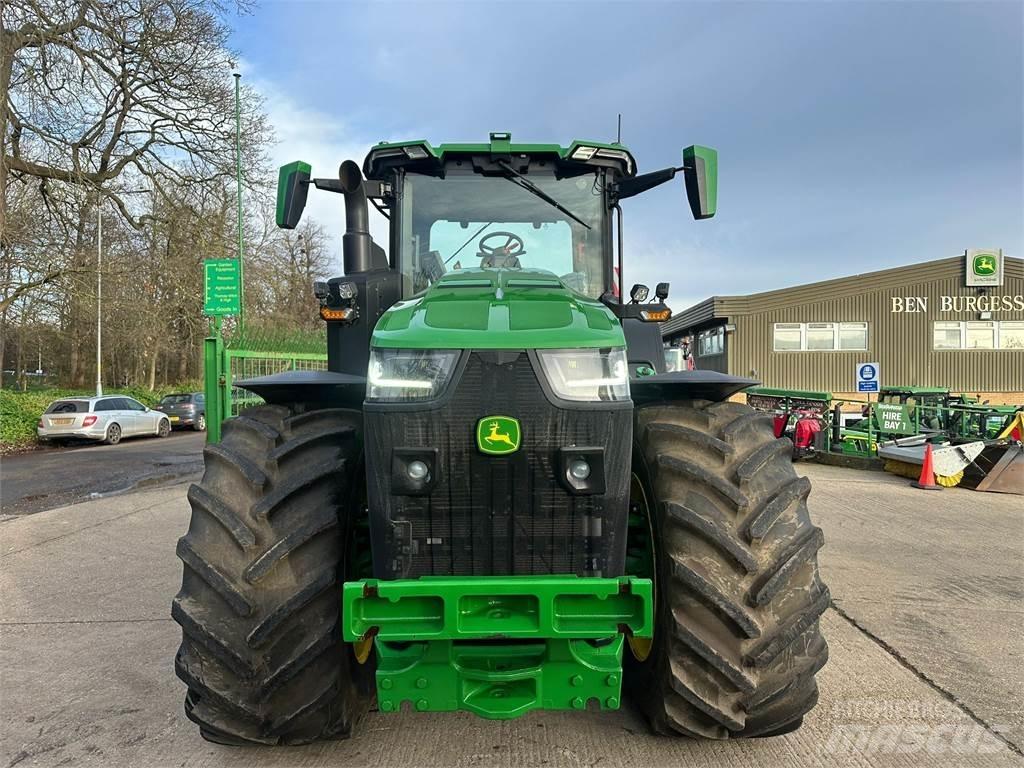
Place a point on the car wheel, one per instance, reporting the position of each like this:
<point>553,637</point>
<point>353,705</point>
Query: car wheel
<point>113,434</point>
<point>164,429</point>
<point>199,425</point>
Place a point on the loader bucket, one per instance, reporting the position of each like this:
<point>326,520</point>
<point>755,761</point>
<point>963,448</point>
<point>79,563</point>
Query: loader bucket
<point>999,469</point>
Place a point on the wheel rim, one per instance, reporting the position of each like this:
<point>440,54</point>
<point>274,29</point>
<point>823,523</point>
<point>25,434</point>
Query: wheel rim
<point>115,433</point>
<point>202,423</point>
<point>165,428</point>
<point>640,556</point>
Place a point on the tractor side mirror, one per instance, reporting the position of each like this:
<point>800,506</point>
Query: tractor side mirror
<point>700,170</point>
<point>292,189</point>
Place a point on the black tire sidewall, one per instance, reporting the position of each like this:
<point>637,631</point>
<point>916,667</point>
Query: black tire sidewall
<point>209,681</point>
<point>673,686</point>
<point>643,676</point>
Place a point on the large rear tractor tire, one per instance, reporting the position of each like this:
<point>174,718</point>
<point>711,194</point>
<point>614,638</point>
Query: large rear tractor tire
<point>738,594</point>
<point>260,601</point>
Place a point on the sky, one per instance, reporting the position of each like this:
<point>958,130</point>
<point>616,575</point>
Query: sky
<point>852,136</point>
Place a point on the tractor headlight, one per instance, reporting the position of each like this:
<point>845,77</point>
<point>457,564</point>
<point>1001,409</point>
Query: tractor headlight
<point>586,374</point>
<point>401,375</point>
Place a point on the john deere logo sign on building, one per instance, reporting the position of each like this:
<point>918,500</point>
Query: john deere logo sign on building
<point>984,267</point>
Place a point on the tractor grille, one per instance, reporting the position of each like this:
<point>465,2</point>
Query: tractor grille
<point>498,515</point>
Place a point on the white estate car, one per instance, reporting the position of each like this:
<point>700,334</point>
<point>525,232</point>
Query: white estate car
<point>107,418</point>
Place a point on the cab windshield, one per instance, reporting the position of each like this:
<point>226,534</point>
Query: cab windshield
<point>466,220</point>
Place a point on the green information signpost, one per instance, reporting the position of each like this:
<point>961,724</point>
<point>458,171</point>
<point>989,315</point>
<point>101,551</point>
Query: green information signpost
<point>222,295</point>
<point>222,287</point>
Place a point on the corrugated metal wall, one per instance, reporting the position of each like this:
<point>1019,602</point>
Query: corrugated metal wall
<point>901,342</point>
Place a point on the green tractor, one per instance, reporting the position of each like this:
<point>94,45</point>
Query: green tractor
<point>496,499</point>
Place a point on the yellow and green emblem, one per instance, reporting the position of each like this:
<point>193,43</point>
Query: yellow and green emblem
<point>498,435</point>
<point>985,264</point>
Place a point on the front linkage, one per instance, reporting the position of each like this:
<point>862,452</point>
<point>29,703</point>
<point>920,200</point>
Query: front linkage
<point>498,646</point>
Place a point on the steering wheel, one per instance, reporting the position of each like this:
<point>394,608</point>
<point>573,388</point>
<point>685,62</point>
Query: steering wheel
<point>506,255</point>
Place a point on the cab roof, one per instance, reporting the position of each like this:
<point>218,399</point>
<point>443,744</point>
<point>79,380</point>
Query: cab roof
<point>579,152</point>
<point>917,390</point>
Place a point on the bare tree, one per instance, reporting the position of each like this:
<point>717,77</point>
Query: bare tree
<point>127,107</point>
<point>91,91</point>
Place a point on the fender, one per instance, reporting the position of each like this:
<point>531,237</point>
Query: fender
<point>686,385</point>
<point>313,388</point>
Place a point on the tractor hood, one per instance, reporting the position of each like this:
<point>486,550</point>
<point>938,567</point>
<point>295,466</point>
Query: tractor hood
<point>498,309</point>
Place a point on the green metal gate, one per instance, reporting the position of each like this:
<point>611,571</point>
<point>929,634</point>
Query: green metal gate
<point>227,362</point>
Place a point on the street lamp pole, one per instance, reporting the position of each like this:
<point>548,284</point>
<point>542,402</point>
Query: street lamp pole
<point>238,184</point>
<point>99,300</point>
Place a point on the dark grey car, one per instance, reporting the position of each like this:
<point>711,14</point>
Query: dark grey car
<point>186,409</point>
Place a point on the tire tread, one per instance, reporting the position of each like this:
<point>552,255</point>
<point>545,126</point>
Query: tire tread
<point>737,637</point>
<point>259,606</point>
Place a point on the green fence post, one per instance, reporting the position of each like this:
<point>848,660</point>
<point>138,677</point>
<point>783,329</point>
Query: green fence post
<point>225,381</point>
<point>211,377</point>
<point>871,416</point>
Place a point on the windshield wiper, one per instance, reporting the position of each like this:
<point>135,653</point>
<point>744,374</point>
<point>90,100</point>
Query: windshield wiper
<point>471,237</point>
<point>529,186</point>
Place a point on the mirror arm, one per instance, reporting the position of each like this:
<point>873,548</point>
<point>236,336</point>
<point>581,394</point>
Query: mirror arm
<point>637,184</point>
<point>327,185</point>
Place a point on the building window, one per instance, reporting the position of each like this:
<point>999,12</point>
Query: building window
<point>819,337</point>
<point>981,335</point>
<point>711,342</point>
<point>853,336</point>
<point>1011,334</point>
<point>978,334</point>
<point>946,335</point>
<point>788,337</point>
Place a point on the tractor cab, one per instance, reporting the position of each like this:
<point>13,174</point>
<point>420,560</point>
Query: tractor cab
<point>540,215</point>
<point>495,206</point>
<point>926,406</point>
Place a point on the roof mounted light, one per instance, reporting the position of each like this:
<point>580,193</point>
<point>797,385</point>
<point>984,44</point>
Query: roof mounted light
<point>584,153</point>
<point>617,154</point>
<point>416,152</point>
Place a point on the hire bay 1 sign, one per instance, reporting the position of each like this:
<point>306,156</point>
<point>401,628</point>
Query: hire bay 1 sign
<point>893,418</point>
<point>222,284</point>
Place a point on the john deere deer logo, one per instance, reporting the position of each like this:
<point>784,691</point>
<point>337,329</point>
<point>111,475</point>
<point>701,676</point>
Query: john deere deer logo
<point>984,264</point>
<point>497,435</point>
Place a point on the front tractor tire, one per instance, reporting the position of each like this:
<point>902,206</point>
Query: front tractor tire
<point>260,602</point>
<point>738,594</point>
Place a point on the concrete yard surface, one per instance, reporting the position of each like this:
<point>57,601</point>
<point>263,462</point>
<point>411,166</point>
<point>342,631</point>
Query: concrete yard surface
<point>925,640</point>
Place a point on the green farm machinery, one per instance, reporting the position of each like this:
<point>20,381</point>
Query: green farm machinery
<point>496,498</point>
<point>972,442</point>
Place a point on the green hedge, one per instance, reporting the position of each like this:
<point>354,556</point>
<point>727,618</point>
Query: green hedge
<point>20,411</point>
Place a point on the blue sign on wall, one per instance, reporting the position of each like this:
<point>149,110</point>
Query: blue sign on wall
<point>868,379</point>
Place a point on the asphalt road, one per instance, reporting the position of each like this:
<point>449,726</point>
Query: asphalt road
<point>40,480</point>
<point>926,638</point>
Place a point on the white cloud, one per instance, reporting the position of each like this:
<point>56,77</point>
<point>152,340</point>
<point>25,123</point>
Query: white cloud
<point>324,141</point>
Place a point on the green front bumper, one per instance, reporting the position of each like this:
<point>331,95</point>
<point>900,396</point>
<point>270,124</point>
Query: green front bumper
<point>498,646</point>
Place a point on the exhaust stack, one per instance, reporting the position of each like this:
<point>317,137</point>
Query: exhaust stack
<point>360,253</point>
